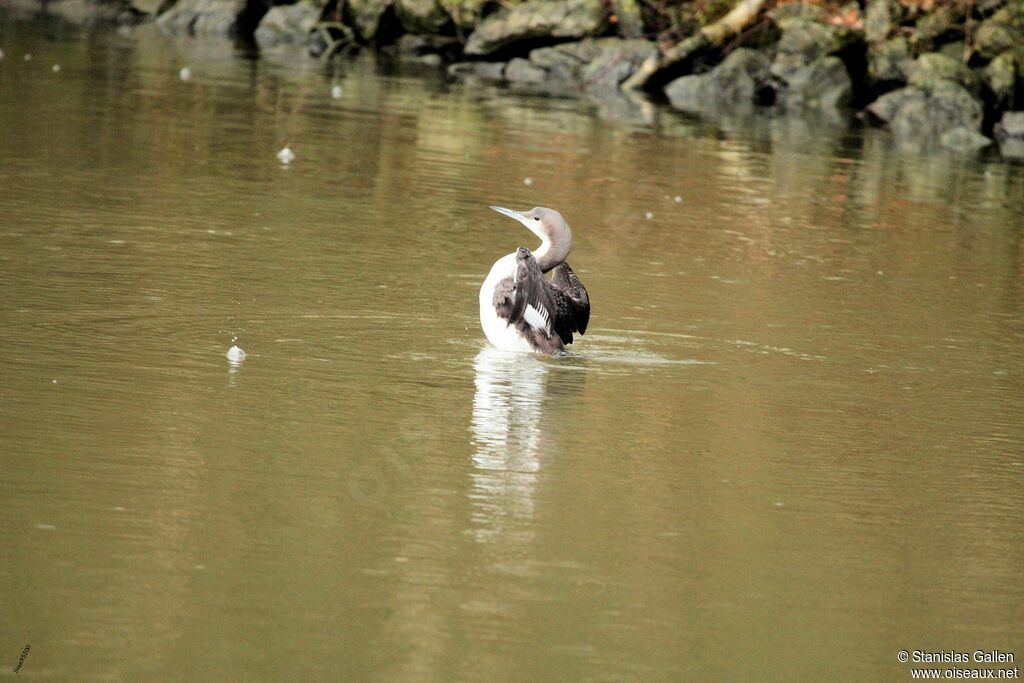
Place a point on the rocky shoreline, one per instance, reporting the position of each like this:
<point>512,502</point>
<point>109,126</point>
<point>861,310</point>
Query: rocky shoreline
<point>938,74</point>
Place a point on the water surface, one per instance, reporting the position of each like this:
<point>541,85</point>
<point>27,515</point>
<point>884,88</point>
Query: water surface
<point>789,446</point>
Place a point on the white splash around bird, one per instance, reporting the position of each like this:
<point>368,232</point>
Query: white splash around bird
<point>286,155</point>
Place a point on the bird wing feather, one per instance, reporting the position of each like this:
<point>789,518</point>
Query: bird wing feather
<point>571,302</point>
<point>537,316</point>
<point>547,313</point>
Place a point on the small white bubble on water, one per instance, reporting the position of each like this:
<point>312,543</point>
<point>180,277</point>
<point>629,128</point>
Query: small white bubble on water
<point>286,155</point>
<point>527,181</point>
<point>649,215</point>
<point>678,199</point>
<point>235,354</point>
<point>1,54</point>
<point>28,56</point>
<point>185,73</point>
<point>336,92</point>
<point>56,68</point>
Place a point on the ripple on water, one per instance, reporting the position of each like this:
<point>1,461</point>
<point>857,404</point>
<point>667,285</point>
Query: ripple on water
<point>619,353</point>
<point>638,337</point>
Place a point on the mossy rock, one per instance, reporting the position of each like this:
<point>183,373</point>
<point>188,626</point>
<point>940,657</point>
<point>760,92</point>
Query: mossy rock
<point>421,16</point>
<point>1005,76</point>
<point>932,67</point>
<point>1012,148</point>
<point>813,39</point>
<point>288,23</point>
<point>804,12</point>
<point>520,70</point>
<point>1003,31</point>
<point>803,42</point>
<point>538,20</point>
<point>934,26</point>
<point>823,84</point>
<point>593,63</point>
<point>889,61</point>
<point>881,17</point>
<point>956,49</point>
<point>925,114</point>
<point>464,13</point>
<point>963,139</point>
<point>737,83</point>
<point>613,61</point>
<point>1011,125</point>
<point>203,17</point>
<point>596,66</point>
<point>1010,133</point>
<point>365,16</point>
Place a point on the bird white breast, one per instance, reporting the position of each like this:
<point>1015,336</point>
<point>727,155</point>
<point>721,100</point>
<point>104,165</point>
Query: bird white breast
<point>498,331</point>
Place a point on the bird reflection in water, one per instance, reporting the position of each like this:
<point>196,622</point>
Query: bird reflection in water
<point>508,436</point>
<point>511,444</point>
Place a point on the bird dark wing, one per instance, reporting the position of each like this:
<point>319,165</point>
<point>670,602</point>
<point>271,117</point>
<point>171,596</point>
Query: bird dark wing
<point>530,306</point>
<point>539,314</point>
<point>570,302</point>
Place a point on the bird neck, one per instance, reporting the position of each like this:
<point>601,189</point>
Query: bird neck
<point>553,250</point>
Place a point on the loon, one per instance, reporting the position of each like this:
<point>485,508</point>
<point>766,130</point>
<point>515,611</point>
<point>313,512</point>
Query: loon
<point>520,310</point>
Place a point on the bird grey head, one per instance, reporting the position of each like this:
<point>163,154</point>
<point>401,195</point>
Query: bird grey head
<point>550,227</point>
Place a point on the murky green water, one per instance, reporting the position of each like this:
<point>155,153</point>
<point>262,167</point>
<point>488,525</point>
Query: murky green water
<point>790,446</point>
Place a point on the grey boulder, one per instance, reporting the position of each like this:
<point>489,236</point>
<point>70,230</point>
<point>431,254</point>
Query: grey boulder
<point>924,115</point>
<point>740,82</point>
<point>538,19</point>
